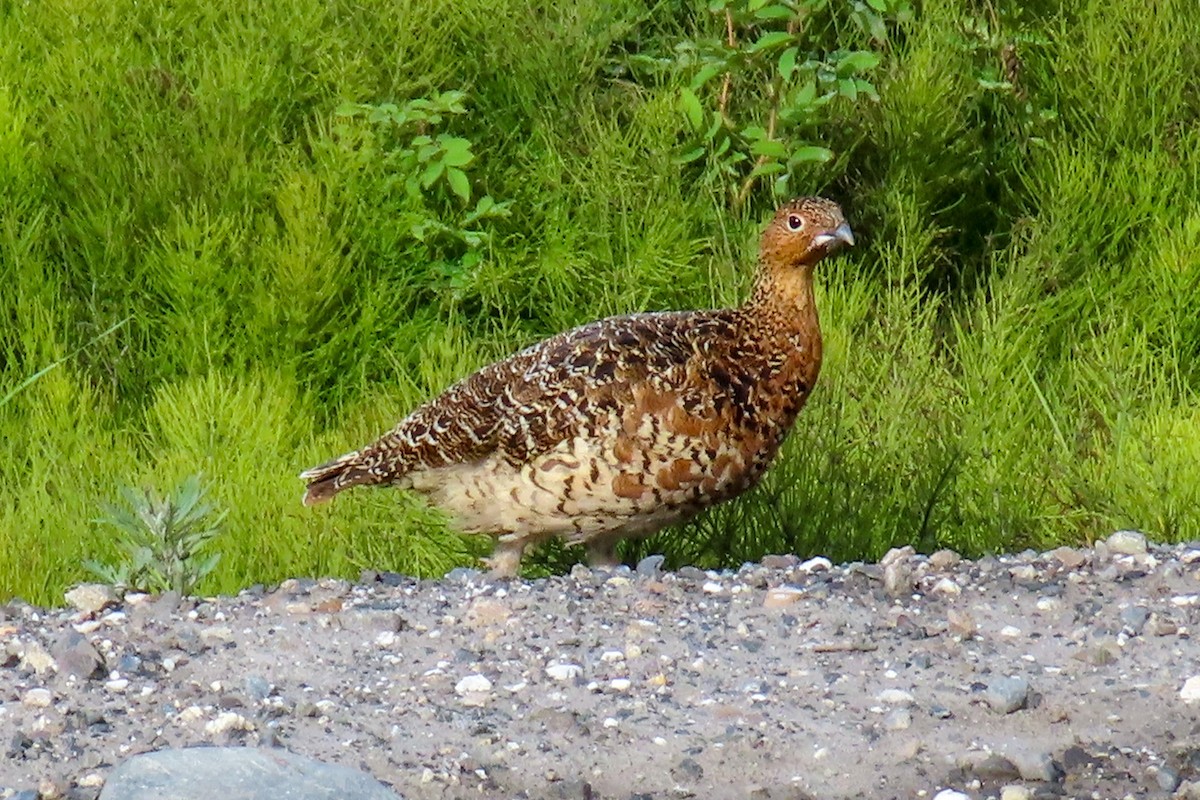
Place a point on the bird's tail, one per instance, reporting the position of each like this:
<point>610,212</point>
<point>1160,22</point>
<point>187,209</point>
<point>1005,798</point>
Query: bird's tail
<point>328,479</point>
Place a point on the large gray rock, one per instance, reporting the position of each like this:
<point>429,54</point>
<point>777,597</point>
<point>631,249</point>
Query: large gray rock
<point>237,773</point>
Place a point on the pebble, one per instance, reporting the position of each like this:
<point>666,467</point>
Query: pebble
<point>1015,792</point>
<point>564,672</point>
<point>1127,543</point>
<point>473,684</point>
<point>37,698</point>
<point>1069,557</point>
<point>620,684</point>
<point>75,655</point>
<point>1006,695</point>
<point>895,697</point>
<point>1166,778</point>
<point>948,587</point>
<point>90,598</point>
<point>650,566</point>
<point>1190,693</point>
<point>1035,764</point>
<point>228,721</point>
<point>898,719</point>
<point>816,564</point>
<point>898,576</point>
<point>944,559</point>
<point>781,596</point>
<point>951,794</point>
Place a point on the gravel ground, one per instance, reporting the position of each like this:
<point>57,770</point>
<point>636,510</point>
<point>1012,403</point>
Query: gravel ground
<point>1035,675</point>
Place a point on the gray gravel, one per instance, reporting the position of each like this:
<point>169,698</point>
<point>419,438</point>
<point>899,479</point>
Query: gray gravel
<point>1033,675</point>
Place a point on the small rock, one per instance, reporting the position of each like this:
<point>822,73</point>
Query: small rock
<point>216,635</point>
<point>1190,693</point>
<point>1035,765</point>
<point>898,575</point>
<point>1006,695</point>
<point>1166,778</point>
<point>816,564</point>
<point>620,684</point>
<point>947,587</point>
<point>52,788</point>
<point>1015,792</point>
<point>1127,543</point>
<point>226,722</point>
<point>76,656</point>
<point>712,587</point>
<point>1068,557</point>
<point>564,672</point>
<point>951,794</point>
<point>898,719</point>
<point>1190,556</point>
<point>473,684</point>
<point>781,596</point>
<point>651,566</point>
<point>995,767</point>
<point>91,598</point>
<point>37,698</point>
<point>236,773</point>
<point>38,659</point>
<point>1134,619</point>
<point>944,559</point>
<point>895,697</point>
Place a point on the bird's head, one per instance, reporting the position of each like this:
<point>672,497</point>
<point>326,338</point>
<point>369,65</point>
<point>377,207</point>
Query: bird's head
<point>804,231</point>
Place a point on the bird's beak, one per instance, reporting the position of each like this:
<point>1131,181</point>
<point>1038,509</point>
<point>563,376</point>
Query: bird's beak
<point>838,236</point>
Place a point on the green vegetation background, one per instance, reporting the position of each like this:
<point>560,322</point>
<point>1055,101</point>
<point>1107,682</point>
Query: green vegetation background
<point>1012,347</point>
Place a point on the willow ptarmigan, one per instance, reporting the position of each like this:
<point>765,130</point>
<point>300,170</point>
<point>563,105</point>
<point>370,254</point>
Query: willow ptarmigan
<point>622,426</point>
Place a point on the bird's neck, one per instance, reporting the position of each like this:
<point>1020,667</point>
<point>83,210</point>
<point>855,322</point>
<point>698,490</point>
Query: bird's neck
<point>782,311</point>
<point>783,301</point>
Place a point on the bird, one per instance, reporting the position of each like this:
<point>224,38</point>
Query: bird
<point>622,426</point>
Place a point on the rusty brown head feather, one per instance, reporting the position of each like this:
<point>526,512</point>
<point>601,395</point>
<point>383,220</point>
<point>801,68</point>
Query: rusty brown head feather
<point>803,232</point>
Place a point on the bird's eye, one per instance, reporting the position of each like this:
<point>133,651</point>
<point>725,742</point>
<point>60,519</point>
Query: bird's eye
<point>795,222</point>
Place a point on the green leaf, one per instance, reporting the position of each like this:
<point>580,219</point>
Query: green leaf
<point>780,186</point>
<point>847,89</point>
<point>706,74</point>
<point>857,61</point>
<point>810,153</point>
<point>774,12</point>
<point>867,88</point>
<point>787,62</point>
<point>769,147</point>
<point>689,156</point>
<point>767,168</point>
<point>754,132</point>
<point>432,173</point>
<point>770,40</point>
<point>879,5</point>
<point>459,183</point>
<point>457,150</point>
<point>805,95</point>
<point>691,108</point>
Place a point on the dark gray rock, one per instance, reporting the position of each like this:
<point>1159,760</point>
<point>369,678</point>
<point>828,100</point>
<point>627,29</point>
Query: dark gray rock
<point>650,566</point>
<point>237,773</point>
<point>76,656</point>
<point>1007,695</point>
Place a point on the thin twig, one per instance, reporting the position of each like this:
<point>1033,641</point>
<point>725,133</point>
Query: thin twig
<point>728,84</point>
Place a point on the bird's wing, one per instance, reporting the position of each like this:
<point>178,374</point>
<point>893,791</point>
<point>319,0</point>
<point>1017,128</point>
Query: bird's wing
<point>527,404</point>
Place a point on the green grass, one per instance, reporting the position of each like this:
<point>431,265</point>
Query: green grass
<point>1013,349</point>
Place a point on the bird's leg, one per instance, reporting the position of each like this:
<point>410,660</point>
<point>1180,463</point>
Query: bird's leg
<point>602,552</point>
<point>505,559</point>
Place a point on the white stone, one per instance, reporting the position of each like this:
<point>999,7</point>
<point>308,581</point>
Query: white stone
<point>387,639</point>
<point>781,596</point>
<point>950,794</point>
<point>1190,693</point>
<point>228,721</point>
<point>473,684</point>
<point>1128,543</point>
<point>1015,792</point>
<point>817,564</point>
<point>117,684</point>
<point>564,672</point>
<point>947,587</point>
<point>1010,631</point>
<point>609,656</point>
<point>712,587</point>
<point>620,684</point>
<point>89,598</point>
<point>895,697</point>
<point>37,698</point>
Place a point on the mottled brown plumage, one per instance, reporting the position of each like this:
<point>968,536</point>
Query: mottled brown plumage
<point>622,426</point>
